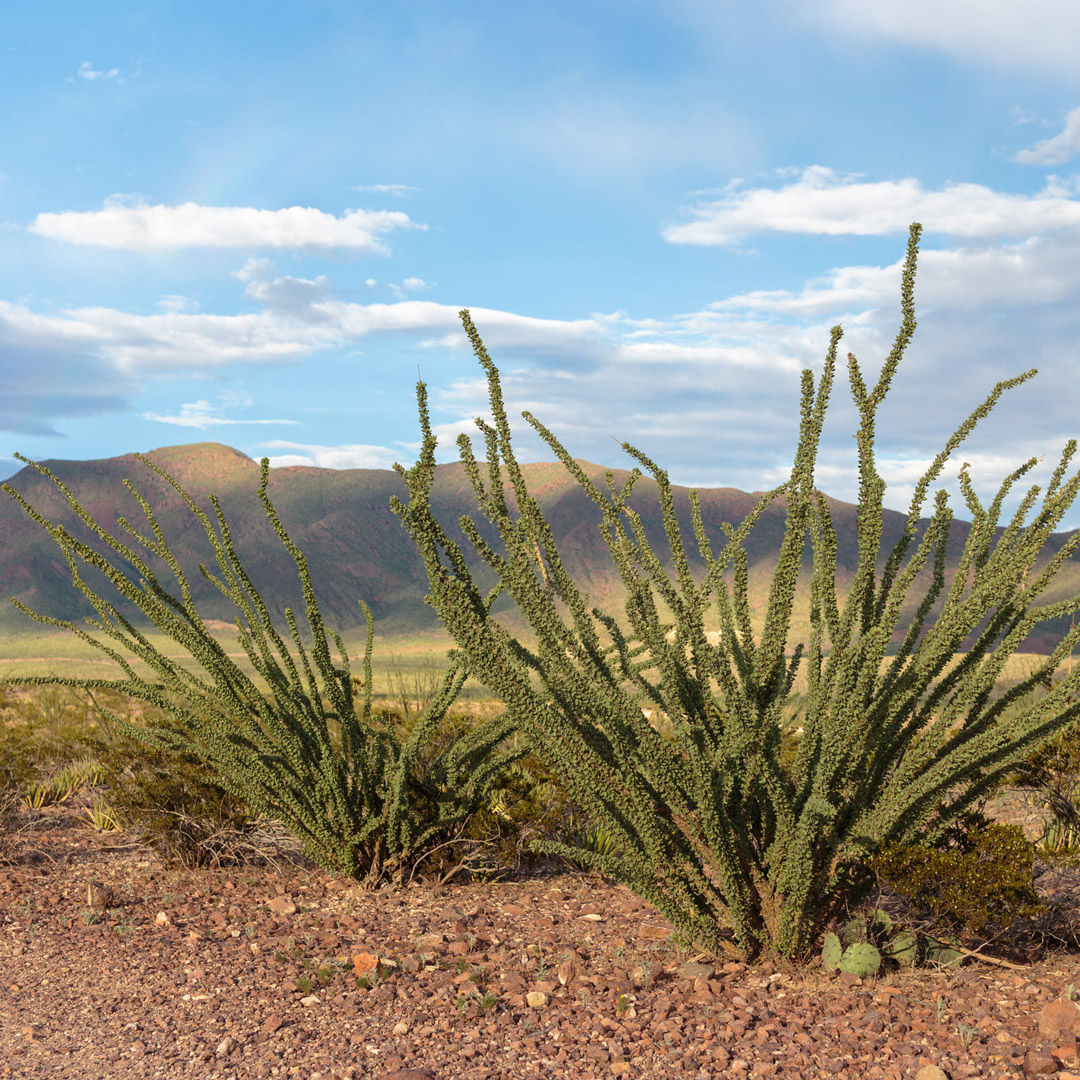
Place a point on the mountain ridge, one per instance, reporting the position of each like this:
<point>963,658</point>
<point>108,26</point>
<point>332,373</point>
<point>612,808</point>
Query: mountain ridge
<point>355,546</point>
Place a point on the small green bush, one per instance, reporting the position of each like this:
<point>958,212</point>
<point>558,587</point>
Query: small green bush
<point>529,804</point>
<point>978,886</point>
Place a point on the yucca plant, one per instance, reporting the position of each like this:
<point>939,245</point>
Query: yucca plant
<point>307,753</point>
<point>742,850</point>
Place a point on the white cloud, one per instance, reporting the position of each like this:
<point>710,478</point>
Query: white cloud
<point>410,284</point>
<point>291,294</point>
<point>351,456</point>
<point>401,191</point>
<point>86,71</point>
<point>822,202</point>
<point>203,415</point>
<point>1033,273</point>
<point>1041,35</point>
<point>1057,149</point>
<point>712,393</point>
<point>143,227</point>
<point>256,270</point>
<point>173,302</point>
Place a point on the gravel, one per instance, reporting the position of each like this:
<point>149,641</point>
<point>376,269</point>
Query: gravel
<point>113,965</point>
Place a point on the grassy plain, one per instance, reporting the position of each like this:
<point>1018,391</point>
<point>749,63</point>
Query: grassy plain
<point>407,667</point>
<point>400,666</point>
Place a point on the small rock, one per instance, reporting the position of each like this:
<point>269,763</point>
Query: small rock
<point>567,972</point>
<point>226,1046</point>
<point>648,932</point>
<point>930,1072</point>
<point>618,1068</point>
<point>311,1000</point>
<point>593,917</point>
<point>400,1028</point>
<point>1059,1019</point>
<point>692,970</point>
<point>98,895</point>
<point>282,905</point>
<point>1039,1063</point>
<point>536,999</point>
<point>1066,1053</point>
<point>271,1024</point>
<point>410,1074</point>
<point>162,919</point>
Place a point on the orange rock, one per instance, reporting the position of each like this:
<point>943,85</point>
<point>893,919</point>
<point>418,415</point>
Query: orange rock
<point>365,963</point>
<point>1066,1053</point>
<point>652,933</point>
<point>1059,1019</point>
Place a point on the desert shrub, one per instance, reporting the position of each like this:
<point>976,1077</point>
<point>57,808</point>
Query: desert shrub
<point>173,806</point>
<point>526,804</point>
<point>12,824</point>
<point>43,731</point>
<point>978,885</point>
<point>1051,777</point>
<point>742,845</point>
<point>308,753</point>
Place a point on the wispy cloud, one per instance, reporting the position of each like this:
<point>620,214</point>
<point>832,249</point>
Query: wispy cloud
<point>88,72</point>
<point>203,415</point>
<point>1055,150</point>
<point>141,227</point>
<point>292,294</point>
<point>824,202</point>
<point>410,284</point>
<point>174,302</point>
<point>401,191</point>
<point>1043,37</point>
<point>350,456</point>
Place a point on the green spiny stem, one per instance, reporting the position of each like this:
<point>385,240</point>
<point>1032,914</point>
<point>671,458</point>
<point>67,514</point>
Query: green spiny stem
<point>357,805</point>
<point>741,852</point>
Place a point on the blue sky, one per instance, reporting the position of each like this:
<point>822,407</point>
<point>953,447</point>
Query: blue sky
<point>252,222</point>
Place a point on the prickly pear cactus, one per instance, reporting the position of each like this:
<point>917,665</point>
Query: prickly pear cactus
<point>860,959</point>
<point>832,952</point>
<point>853,931</point>
<point>941,952</point>
<point>880,923</point>
<point>903,947</point>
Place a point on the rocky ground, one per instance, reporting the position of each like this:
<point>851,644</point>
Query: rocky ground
<point>113,965</point>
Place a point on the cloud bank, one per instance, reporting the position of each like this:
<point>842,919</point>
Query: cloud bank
<point>822,202</point>
<point>143,227</point>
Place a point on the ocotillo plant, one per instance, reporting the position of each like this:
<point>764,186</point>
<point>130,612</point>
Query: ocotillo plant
<point>356,796</point>
<point>741,853</point>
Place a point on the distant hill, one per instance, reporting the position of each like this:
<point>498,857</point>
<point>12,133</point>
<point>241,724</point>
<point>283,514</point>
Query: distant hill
<point>355,547</point>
